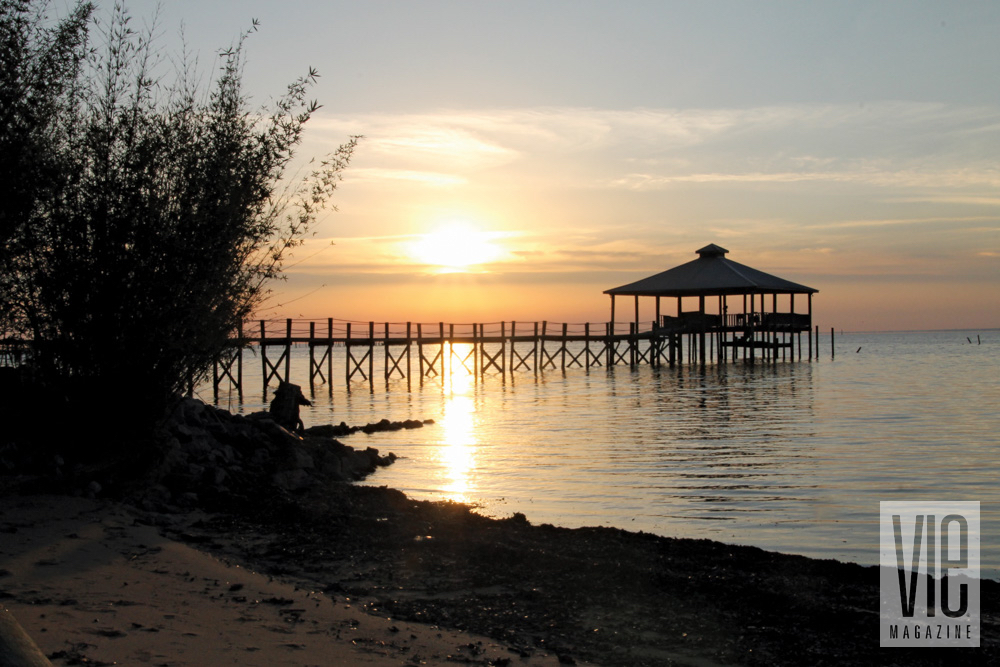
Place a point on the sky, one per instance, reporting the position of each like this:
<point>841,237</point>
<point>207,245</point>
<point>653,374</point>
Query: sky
<point>521,157</point>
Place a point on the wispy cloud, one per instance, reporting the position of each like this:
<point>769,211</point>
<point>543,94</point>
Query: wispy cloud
<point>905,178</point>
<point>376,174</point>
<point>917,146</point>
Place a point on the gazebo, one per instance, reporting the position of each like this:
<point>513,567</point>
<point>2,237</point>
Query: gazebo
<point>742,318</point>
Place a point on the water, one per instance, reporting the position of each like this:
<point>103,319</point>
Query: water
<point>792,457</point>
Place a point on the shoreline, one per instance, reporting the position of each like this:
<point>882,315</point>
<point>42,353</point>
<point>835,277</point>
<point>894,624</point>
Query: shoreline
<point>301,581</point>
<point>241,543</point>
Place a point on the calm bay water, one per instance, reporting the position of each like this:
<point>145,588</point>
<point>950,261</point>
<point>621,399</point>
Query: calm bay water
<point>792,456</point>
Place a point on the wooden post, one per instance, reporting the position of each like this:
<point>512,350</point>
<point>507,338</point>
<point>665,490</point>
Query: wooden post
<point>215,380</point>
<point>409,342</point>
<point>371,356</point>
<point>513,343</point>
<point>441,333</point>
<point>632,341</point>
<point>348,359</point>
<point>833,351</point>
<point>701,335</point>
<point>420,352</point>
<point>503,350</point>
<point>773,329</point>
<point>385,344</point>
<point>609,358</point>
<point>794,332</point>
<point>545,328</point>
<point>810,311</point>
<point>637,312</point>
<point>513,335</point>
<point>612,313</point>
<point>288,348</point>
<point>312,361</point>
<point>263,355</point>
<point>534,348</point>
<point>329,355</point>
<point>478,349</point>
<point>563,361</point>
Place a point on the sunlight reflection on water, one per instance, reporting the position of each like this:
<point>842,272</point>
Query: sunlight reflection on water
<point>458,441</point>
<point>793,456</point>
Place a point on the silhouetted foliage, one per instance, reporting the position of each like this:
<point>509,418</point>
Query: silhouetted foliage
<point>143,222</point>
<point>40,63</point>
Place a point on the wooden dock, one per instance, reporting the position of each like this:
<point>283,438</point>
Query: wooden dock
<point>426,352</point>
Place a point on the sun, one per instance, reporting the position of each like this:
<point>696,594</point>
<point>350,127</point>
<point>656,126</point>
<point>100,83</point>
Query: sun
<point>455,247</point>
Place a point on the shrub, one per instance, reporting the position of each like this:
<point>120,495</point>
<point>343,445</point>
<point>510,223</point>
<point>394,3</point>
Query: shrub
<point>148,220</point>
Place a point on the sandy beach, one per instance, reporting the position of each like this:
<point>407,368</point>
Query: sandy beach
<point>93,583</point>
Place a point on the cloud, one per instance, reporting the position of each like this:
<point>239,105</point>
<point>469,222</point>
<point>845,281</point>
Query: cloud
<point>953,222</point>
<point>375,174</point>
<point>894,145</point>
<point>861,176</point>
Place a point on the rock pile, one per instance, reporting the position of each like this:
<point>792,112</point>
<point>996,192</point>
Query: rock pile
<point>208,453</point>
<point>342,429</point>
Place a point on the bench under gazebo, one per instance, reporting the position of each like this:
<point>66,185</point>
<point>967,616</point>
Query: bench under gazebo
<point>739,311</point>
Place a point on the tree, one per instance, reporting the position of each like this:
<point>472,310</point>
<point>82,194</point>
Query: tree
<point>159,221</point>
<point>40,64</point>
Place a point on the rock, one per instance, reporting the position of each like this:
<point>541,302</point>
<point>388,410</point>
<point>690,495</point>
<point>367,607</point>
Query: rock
<point>188,499</point>
<point>261,456</point>
<point>302,460</point>
<point>330,431</point>
<point>214,476</point>
<point>195,471</point>
<point>292,480</point>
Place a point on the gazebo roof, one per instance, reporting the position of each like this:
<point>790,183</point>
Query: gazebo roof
<point>710,274</point>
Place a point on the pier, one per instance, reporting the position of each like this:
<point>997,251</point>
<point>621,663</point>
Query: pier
<point>387,352</point>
